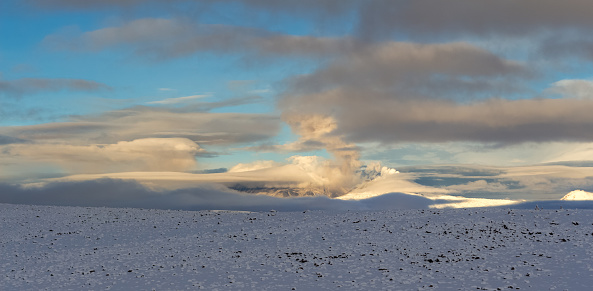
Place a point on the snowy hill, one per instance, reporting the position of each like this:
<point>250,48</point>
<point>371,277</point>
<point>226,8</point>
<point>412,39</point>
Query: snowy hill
<point>59,248</point>
<point>578,195</point>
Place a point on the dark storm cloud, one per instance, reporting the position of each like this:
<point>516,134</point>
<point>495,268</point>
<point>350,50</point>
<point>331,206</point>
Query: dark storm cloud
<point>24,86</point>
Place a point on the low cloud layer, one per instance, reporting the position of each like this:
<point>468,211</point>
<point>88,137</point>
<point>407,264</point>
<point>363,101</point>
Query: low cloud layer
<point>118,193</point>
<point>540,182</point>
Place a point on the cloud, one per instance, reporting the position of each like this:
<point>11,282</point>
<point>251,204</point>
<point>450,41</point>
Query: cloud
<point>254,166</point>
<point>150,154</point>
<point>539,182</point>
<point>70,4</point>
<point>134,139</point>
<point>572,152</point>
<point>432,186</point>
<point>319,129</point>
<point>379,19</point>
<point>4,140</point>
<point>118,193</point>
<point>240,85</point>
<point>179,99</point>
<point>141,122</point>
<point>573,88</point>
<point>23,69</point>
<point>571,45</point>
<point>201,106</point>
<point>307,174</point>
<point>304,7</point>
<point>301,176</point>
<point>384,17</point>
<point>412,70</point>
<point>368,116</point>
<point>316,132</point>
<point>404,92</point>
<point>171,38</point>
<point>19,87</point>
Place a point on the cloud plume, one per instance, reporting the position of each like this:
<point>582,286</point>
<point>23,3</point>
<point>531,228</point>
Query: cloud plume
<point>315,131</point>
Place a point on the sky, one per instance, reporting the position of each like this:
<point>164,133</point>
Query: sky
<point>299,93</point>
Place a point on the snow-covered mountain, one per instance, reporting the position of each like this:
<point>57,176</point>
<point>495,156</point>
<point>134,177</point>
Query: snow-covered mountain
<point>364,176</point>
<point>578,195</point>
<point>283,192</point>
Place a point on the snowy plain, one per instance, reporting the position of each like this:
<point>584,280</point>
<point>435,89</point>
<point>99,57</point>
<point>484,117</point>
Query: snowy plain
<point>88,248</point>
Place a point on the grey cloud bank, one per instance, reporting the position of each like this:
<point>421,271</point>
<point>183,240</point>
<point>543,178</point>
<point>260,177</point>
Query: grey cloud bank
<point>412,70</point>
<point>380,17</point>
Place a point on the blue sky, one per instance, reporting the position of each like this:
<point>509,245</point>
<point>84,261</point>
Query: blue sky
<point>103,86</point>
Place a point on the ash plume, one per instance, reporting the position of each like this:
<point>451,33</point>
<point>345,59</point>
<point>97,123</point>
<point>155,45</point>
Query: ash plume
<point>337,176</point>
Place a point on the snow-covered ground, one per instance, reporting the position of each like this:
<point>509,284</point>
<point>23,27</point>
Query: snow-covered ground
<point>77,248</point>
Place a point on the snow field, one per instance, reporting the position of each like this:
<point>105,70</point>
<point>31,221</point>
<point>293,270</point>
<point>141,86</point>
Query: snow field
<point>77,248</point>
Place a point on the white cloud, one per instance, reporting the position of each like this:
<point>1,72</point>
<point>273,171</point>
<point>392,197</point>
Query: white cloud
<point>254,166</point>
<point>177,100</point>
<point>573,152</point>
<point>573,88</point>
